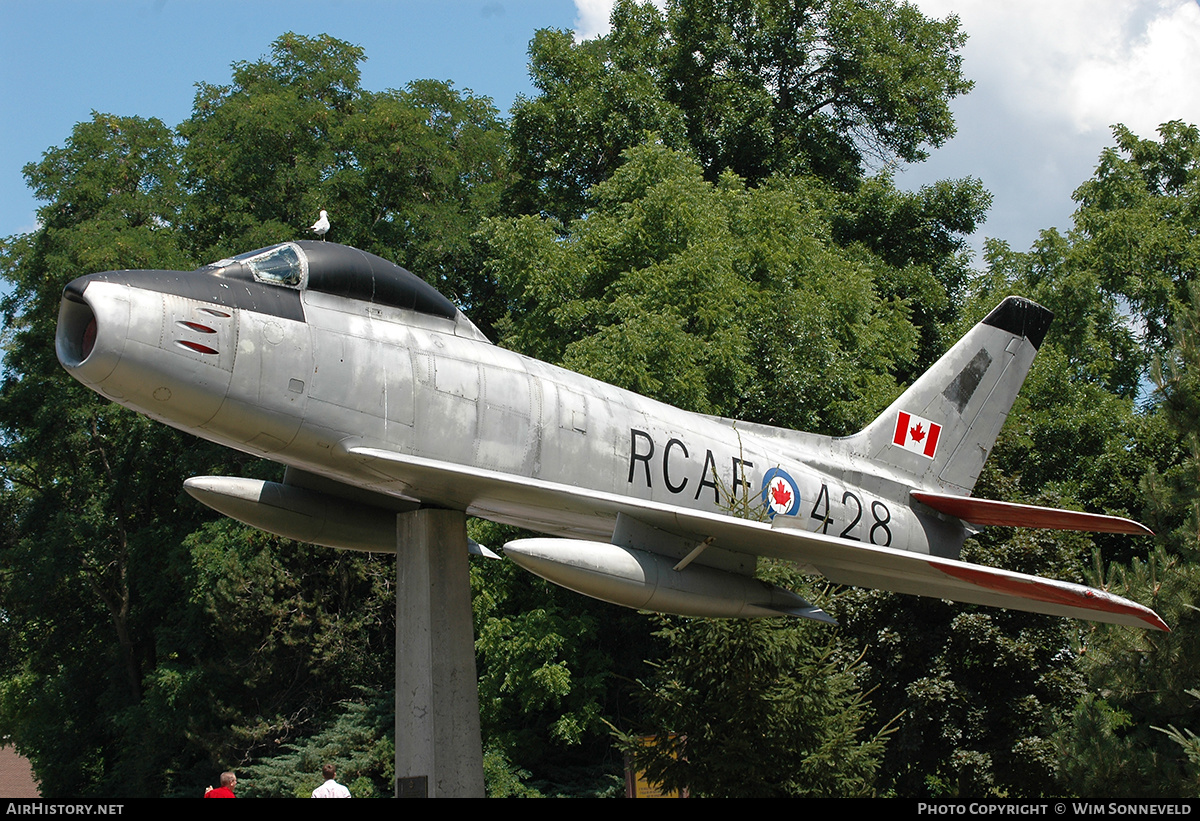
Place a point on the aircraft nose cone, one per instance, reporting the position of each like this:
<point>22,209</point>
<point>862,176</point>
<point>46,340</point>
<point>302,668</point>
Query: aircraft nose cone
<point>92,323</point>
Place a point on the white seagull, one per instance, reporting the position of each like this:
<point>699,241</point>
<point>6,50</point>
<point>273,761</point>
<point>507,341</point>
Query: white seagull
<point>321,226</point>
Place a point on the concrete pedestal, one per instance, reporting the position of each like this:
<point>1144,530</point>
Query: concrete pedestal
<point>439,752</point>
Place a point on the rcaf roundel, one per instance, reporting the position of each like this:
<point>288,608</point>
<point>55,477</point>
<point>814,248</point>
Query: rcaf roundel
<point>780,495</point>
<point>917,434</point>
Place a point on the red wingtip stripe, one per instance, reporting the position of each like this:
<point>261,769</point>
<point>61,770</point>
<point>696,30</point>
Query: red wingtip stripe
<point>1084,598</point>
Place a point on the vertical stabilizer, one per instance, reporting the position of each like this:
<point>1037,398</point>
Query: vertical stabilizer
<point>941,430</point>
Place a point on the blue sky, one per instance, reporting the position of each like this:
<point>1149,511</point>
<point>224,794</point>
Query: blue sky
<point>1051,77</point>
<point>62,59</point>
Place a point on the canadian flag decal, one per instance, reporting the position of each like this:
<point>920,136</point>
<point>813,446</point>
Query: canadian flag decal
<point>917,434</point>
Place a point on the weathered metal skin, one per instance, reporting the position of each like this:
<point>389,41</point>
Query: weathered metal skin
<point>352,371</point>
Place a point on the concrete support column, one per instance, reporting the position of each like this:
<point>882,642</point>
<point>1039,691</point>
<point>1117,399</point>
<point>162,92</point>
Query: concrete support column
<point>439,752</point>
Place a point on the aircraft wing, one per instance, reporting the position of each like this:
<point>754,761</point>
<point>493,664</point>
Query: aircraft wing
<point>569,510</point>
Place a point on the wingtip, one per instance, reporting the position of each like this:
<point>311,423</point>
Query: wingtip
<point>1156,622</point>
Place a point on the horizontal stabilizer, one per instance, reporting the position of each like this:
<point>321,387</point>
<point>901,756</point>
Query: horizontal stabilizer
<point>1007,514</point>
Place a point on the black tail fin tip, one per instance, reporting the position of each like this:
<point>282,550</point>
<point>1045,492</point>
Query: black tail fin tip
<point>958,406</point>
<point>1022,317</point>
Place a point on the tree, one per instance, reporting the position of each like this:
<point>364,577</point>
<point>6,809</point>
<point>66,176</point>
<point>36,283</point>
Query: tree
<point>986,695</point>
<point>755,708</point>
<point>598,98</point>
<point>421,168</point>
<point>771,86</point>
<point>921,236</point>
<point>1136,223</point>
<point>144,650</point>
<point>404,174</point>
<point>980,692</point>
<point>1144,683</point>
<point>768,90</point>
<point>757,87</point>
<point>358,741</point>
<point>713,297</point>
<point>1087,697</point>
<point>94,521</point>
<point>552,666</point>
<point>1190,743</point>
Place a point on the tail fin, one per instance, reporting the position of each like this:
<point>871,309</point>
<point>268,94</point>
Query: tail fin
<point>941,430</point>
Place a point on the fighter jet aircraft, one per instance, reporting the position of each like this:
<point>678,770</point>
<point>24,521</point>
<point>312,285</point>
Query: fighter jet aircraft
<point>379,396</point>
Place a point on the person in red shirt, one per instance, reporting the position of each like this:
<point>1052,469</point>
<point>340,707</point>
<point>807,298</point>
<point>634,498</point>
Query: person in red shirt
<point>228,782</point>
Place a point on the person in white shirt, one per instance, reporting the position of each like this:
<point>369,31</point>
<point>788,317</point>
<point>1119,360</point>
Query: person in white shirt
<point>330,789</point>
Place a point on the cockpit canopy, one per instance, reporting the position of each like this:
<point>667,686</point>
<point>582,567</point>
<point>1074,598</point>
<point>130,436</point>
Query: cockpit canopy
<point>272,280</point>
<point>338,270</point>
<point>282,264</point>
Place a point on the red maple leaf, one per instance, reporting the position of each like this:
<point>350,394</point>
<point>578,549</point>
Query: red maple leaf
<point>916,433</point>
<point>781,495</point>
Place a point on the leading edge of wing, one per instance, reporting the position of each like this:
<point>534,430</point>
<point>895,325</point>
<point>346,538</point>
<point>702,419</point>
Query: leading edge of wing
<point>566,509</point>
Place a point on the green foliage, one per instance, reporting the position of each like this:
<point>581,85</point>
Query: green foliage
<point>1142,678</point>
<point>978,692</point>
<point>94,524</point>
<point>755,708</point>
<point>921,236</point>
<point>1006,704</point>
<point>771,86</point>
<point>1090,329</point>
<point>598,98</point>
<point>711,297</point>
<point>551,665</point>
<point>257,151</point>
<point>758,87</point>
<point>981,692</point>
<point>292,624</point>
<point>358,741</point>
<point>502,779</point>
<point>122,170</point>
<point>1137,221</point>
<point>406,174</point>
<point>1190,743</point>
<point>139,659</point>
<point>1139,682</point>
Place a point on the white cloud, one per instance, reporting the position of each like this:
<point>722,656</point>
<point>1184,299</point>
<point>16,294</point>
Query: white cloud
<point>592,19</point>
<point>1143,80</point>
<point>1084,64</point>
<point>1051,78</point>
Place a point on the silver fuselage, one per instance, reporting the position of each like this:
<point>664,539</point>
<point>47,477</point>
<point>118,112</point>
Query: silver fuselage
<point>302,390</point>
